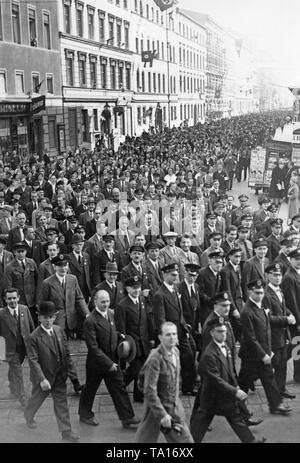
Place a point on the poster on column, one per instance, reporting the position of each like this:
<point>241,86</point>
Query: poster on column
<point>257,167</point>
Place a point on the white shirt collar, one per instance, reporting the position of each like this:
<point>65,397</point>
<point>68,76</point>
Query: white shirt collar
<point>103,314</point>
<point>275,288</point>
<point>220,345</point>
<point>61,279</point>
<point>111,285</point>
<point>189,285</point>
<point>49,332</point>
<point>169,287</point>
<point>134,300</point>
<point>12,311</point>
<point>215,273</point>
<point>137,266</point>
<point>257,305</point>
<point>235,267</point>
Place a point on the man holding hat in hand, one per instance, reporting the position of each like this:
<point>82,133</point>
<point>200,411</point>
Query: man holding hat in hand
<point>102,341</point>
<point>50,362</point>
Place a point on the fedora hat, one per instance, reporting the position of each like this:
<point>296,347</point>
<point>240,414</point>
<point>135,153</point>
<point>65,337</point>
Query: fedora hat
<point>76,239</point>
<point>127,349</point>
<point>111,267</point>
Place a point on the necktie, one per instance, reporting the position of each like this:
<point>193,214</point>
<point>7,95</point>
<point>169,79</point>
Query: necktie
<point>247,250</point>
<point>23,264</point>
<point>193,294</point>
<point>15,315</point>
<point>22,234</point>
<point>79,259</point>
<point>126,240</point>
<point>63,284</point>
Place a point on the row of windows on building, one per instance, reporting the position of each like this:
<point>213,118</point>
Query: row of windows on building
<point>94,73</point>
<point>190,58</point>
<point>32,19</point>
<point>22,87</point>
<point>191,34</point>
<point>153,82</point>
<point>151,13</point>
<point>189,84</point>
<point>110,28</point>
<point>187,111</point>
<point>157,46</point>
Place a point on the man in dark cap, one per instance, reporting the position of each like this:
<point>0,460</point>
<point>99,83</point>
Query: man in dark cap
<point>219,393</point>
<point>136,268</point>
<point>167,306</point>
<point>215,241</point>
<point>209,281</point>
<point>254,268</point>
<point>80,266</point>
<point>274,239</point>
<point>50,362</point>
<point>280,319</point>
<point>265,228</point>
<point>245,244</point>
<point>21,273</point>
<point>286,246</point>
<point>239,211</point>
<point>153,267</point>
<point>256,350</point>
<point>102,341</point>
<point>291,290</point>
<point>211,219</point>
<point>132,318</point>
<point>111,285</point>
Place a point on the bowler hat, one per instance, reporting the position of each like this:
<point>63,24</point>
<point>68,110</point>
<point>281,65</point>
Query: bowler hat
<point>47,308</point>
<point>127,349</point>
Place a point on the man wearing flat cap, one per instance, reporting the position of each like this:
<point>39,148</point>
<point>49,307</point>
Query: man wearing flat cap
<point>89,214</point>
<point>291,290</point>
<point>167,306</point>
<point>254,268</point>
<point>133,318</point>
<point>281,319</point>
<point>256,349</point>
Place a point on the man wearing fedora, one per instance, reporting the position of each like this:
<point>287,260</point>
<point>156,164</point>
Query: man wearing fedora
<point>16,324</point>
<point>132,318</point>
<point>85,217</point>
<point>22,273</point>
<point>50,363</point>
<point>159,379</point>
<point>111,285</point>
<point>107,254</point>
<point>80,266</point>
<point>102,341</point>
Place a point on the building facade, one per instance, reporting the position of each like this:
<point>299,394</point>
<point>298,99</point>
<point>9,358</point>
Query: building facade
<point>31,116</point>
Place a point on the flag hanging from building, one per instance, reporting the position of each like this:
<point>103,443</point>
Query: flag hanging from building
<point>148,57</point>
<point>165,4</point>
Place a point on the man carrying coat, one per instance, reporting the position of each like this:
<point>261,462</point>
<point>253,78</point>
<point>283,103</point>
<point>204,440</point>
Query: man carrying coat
<point>16,325</point>
<point>49,361</point>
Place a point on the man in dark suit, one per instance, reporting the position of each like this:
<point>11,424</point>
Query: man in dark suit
<point>16,325</point>
<point>102,341</point>
<point>136,268</point>
<point>254,268</point>
<point>89,214</point>
<point>50,188</point>
<point>7,222</point>
<point>209,282</point>
<point>229,242</point>
<point>265,228</point>
<point>91,225</point>
<point>107,254</point>
<point>50,362</point>
<point>46,268</point>
<point>286,246</point>
<point>239,211</point>
<point>80,266</point>
<point>5,258</point>
<point>124,238</point>
<point>190,299</point>
<point>111,285</point>
<point>32,205</point>
<point>219,393</point>
<point>274,239</point>
<point>291,290</point>
<point>231,282</point>
<point>34,248</point>
<point>132,318</point>
<point>280,319</point>
<point>211,219</point>
<point>16,234</point>
<point>95,243</point>
<point>22,273</point>
<point>153,268</point>
<point>167,306</point>
<point>256,350</point>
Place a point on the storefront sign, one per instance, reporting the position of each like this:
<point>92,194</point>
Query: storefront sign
<point>37,104</point>
<point>257,167</point>
<point>8,108</point>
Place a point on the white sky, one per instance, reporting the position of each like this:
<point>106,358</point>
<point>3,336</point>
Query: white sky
<point>272,24</point>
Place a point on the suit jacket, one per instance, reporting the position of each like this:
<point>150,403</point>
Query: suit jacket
<point>133,319</point>
<point>209,285</point>
<point>231,282</point>
<point>167,307</point>
<point>226,248</point>
<point>284,261</point>
<point>273,247</point>
<point>30,207</point>
<point>4,228</point>
<point>48,189</point>
<point>259,217</point>
<point>155,278</point>
<point>35,252</point>
<point>93,245</point>
<point>115,296</point>
<point>102,339</point>
<point>252,271</point>
<point>265,228</point>
<point>130,271</point>
<point>7,258</point>
<point>25,280</point>
<point>183,259</point>
<point>241,244</point>
<point>83,272</point>
<point>90,228</point>
<point>291,289</point>
<point>8,329</point>
<point>71,301</point>
<point>120,245</point>
<point>99,262</point>
<point>221,226</point>
<point>230,339</point>
<point>84,218</point>
<point>25,194</point>
<point>166,256</point>
<point>45,270</point>
<point>14,237</point>
<point>219,384</point>
<point>278,318</point>
<point>256,333</point>
<point>190,306</point>
<point>44,359</point>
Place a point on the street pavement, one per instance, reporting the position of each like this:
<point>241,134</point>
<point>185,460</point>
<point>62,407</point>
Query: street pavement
<point>14,430</point>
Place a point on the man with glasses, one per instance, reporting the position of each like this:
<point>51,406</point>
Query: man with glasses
<point>215,240</point>
<point>256,350</point>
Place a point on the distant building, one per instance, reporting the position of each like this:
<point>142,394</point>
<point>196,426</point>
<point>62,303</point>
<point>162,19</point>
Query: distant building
<point>31,115</point>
